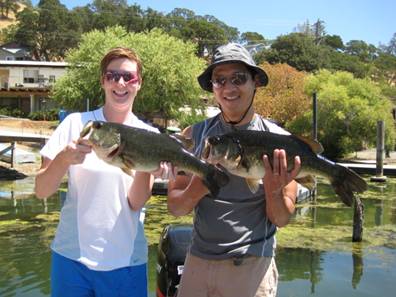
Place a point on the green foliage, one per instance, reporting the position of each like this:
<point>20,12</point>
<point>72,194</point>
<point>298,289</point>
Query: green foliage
<point>365,52</point>
<point>170,68</point>
<point>186,119</point>
<point>44,115</point>
<point>12,112</point>
<point>252,38</point>
<point>348,111</point>
<point>298,50</point>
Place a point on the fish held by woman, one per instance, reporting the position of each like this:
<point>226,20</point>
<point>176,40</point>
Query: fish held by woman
<point>131,148</point>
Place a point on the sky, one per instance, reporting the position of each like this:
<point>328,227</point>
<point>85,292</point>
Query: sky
<point>373,21</point>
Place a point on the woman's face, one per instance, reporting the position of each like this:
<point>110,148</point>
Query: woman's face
<point>121,83</point>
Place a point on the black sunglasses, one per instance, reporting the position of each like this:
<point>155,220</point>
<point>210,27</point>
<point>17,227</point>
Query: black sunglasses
<point>128,77</point>
<point>237,79</point>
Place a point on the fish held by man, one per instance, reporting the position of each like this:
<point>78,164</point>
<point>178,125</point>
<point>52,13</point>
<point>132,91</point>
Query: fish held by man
<point>241,153</point>
<point>131,148</point>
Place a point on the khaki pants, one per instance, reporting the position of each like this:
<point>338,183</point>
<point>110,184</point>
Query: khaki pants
<point>248,277</point>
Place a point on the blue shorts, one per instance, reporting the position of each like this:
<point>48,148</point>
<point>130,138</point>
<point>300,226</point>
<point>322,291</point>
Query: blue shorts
<point>71,278</point>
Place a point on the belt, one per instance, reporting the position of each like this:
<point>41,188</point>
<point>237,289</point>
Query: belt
<point>238,260</point>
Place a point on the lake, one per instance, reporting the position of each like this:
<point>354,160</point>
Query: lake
<point>315,254</point>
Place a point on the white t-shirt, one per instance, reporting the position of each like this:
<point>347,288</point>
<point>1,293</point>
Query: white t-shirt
<point>97,226</point>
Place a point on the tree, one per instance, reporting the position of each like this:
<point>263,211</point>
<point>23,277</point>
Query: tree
<point>348,111</point>
<point>283,99</point>
<point>365,52</point>
<point>252,38</point>
<point>319,31</point>
<point>299,51</point>
<point>316,30</point>
<point>392,45</point>
<point>107,13</point>
<point>133,19</point>
<point>206,31</point>
<point>47,30</point>
<point>6,6</point>
<point>333,41</point>
<point>170,68</point>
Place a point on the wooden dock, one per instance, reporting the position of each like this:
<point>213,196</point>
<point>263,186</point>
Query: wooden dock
<point>12,137</point>
<point>370,168</point>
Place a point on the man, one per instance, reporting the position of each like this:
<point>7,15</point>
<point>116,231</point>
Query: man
<point>233,243</point>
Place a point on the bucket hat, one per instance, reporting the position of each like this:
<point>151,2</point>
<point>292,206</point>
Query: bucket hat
<point>231,53</point>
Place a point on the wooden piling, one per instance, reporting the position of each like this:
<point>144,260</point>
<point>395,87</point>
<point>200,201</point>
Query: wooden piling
<point>379,172</point>
<point>358,218</point>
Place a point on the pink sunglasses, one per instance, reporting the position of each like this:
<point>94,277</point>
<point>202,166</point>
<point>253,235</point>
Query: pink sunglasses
<point>128,77</point>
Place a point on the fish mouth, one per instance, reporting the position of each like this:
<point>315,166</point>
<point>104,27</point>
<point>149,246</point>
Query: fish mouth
<point>86,130</point>
<point>89,127</point>
<point>114,151</point>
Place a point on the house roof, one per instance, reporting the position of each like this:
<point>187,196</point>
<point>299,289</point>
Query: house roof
<point>33,63</point>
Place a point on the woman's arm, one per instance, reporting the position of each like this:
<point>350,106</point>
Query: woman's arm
<point>140,190</point>
<point>50,174</point>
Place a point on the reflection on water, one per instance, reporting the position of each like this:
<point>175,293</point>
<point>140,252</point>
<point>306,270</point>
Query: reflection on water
<point>315,254</point>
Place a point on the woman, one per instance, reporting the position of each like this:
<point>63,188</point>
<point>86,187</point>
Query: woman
<point>99,247</point>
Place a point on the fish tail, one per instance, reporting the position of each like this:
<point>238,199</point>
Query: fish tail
<point>215,179</point>
<point>345,182</point>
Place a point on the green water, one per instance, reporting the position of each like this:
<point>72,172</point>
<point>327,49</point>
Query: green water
<point>315,255</point>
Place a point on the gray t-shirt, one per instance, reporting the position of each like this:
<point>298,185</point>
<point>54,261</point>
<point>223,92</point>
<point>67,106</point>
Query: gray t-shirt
<point>234,224</point>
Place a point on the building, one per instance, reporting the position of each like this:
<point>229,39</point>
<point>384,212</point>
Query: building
<point>14,52</point>
<point>25,85</point>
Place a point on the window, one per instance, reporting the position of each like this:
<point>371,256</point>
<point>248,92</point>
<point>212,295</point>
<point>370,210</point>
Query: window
<point>51,78</point>
<point>30,76</point>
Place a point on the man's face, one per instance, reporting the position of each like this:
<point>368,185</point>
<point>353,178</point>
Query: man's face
<point>233,88</point>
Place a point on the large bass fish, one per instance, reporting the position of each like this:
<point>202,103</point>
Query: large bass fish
<point>241,153</point>
<point>133,148</point>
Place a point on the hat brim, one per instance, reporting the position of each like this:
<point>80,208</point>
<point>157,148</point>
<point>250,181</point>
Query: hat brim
<point>206,76</point>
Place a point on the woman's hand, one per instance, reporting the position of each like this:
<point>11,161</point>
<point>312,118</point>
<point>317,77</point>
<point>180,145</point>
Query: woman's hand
<point>165,171</point>
<point>75,152</point>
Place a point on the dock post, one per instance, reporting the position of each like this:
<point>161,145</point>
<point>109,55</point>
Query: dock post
<point>358,218</point>
<point>379,171</point>
<point>12,153</point>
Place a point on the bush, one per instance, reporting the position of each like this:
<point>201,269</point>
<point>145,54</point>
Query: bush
<point>44,115</point>
<point>12,112</point>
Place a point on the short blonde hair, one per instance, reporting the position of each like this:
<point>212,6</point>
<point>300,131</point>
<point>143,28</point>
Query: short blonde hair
<point>117,53</point>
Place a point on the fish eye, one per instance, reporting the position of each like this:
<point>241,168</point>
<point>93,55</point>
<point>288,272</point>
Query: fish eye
<point>97,125</point>
<point>214,140</point>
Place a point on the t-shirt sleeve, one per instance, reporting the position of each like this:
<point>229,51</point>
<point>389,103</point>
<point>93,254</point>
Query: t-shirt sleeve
<point>62,136</point>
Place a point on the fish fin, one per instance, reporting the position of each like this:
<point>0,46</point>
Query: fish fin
<point>253,184</point>
<point>215,179</point>
<point>128,164</point>
<point>187,143</point>
<point>345,182</point>
<point>307,181</point>
<point>127,171</point>
<point>316,147</point>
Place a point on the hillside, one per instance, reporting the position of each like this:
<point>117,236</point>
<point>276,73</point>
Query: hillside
<point>10,19</point>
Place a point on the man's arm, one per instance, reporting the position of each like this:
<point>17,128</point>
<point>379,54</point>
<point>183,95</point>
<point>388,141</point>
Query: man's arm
<point>184,193</point>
